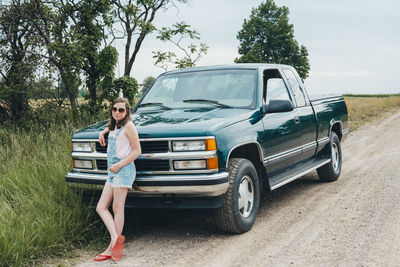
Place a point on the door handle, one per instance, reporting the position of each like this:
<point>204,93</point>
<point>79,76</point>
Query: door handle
<point>296,119</point>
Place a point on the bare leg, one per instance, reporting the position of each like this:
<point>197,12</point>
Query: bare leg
<point>102,210</point>
<point>119,208</point>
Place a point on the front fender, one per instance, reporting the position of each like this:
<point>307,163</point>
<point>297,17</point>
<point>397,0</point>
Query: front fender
<point>248,131</point>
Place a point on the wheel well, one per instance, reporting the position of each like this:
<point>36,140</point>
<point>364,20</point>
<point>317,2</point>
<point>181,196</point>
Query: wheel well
<point>337,129</point>
<point>252,152</point>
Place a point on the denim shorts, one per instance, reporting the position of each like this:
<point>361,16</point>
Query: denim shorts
<point>124,178</point>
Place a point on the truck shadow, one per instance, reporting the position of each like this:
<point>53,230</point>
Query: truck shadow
<point>177,223</point>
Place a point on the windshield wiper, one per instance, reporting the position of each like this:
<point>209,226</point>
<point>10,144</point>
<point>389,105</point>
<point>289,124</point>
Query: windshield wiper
<point>207,101</point>
<point>160,105</point>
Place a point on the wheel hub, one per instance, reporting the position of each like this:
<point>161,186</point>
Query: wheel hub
<point>335,156</point>
<point>246,196</point>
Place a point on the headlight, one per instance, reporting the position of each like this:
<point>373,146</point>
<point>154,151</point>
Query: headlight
<point>188,145</point>
<point>81,147</point>
<point>83,164</point>
<point>194,145</point>
<point>189,164</point>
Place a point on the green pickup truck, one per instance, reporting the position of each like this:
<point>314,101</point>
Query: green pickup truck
<point>217,137</point>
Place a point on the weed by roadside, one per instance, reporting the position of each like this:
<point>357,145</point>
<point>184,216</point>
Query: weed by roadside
<point>40,216</point>
<point>364,109</point>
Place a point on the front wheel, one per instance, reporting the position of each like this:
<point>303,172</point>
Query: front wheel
<point>331,171</point>
<point>242,200</point>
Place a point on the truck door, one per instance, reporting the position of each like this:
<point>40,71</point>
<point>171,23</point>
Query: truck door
<point>305,114</point>
<point>281,138</point>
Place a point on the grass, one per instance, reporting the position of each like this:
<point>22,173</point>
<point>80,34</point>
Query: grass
<point>364,109</point>
<point>39,215</point>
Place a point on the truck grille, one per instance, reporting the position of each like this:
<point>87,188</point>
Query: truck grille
<point>147,147</point>
<point>141,165</point>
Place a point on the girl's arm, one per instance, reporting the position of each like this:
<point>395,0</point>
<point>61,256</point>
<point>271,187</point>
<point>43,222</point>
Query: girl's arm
<point>101,136</point>
<point>133,137</point>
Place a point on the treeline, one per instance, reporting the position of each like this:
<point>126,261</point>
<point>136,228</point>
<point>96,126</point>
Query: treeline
<point>65,49</point>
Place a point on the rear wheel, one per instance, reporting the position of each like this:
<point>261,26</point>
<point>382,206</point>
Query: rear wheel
<point>331,171</point>
<point>242,200</point>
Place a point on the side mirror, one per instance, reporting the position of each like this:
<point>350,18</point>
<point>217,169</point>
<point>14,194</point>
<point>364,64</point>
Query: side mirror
<point>277,106</point>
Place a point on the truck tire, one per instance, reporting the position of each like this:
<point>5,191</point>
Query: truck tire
<point>331,171</point>
<point>242,199</point>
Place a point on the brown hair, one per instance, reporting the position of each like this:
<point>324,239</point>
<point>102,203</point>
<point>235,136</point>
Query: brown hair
<point>113,122</point>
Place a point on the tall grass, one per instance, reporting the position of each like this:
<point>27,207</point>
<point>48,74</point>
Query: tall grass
<point>40,216</point>
<point>368,108</point>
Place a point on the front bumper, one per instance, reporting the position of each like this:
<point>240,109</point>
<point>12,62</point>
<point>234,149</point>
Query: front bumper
<point>193,185</point>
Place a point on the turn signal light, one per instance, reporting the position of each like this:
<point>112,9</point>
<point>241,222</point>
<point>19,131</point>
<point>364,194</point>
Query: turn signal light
<point>211,144</point>
<point>212,163</point>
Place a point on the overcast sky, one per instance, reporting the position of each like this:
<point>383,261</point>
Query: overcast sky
<point>353,45</point>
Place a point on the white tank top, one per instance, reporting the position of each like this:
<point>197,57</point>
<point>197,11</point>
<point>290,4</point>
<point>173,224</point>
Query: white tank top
<point>122,147</point>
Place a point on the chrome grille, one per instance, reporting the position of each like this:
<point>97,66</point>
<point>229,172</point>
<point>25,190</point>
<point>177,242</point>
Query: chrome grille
<point>147,147</point>
<point>141,165</point>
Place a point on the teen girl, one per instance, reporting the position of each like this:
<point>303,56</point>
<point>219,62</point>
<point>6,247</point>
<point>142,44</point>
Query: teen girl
<point>123,148</point>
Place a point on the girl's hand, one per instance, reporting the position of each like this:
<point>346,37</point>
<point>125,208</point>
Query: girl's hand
<point>115,167</point>
<point>102,141</point>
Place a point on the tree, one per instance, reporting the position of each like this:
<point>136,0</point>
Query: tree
<point>97,64</point>
<point>126,85</point>
<point>267,37</point>
<point>136,21</point>
<point>73,32</point>
<point>54,20</point>
<point>176,35</point>
<point>147,82</point>
<point>18,59</point>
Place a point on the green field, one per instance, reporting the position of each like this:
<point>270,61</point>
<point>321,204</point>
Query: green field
<point>41,217</point>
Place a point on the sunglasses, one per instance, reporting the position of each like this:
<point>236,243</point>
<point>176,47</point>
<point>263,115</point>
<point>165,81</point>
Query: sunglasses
<point>120,110</point>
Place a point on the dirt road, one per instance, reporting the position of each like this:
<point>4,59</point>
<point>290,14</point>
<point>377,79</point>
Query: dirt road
<point>352,222</point>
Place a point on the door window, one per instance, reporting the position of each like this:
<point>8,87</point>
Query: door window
<point>276,90</point>
<point>297,91</point>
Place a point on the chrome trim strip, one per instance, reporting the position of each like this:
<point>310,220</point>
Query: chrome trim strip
<point>181,155</point>
<point>300,174</point>
<point>177,138</point>
<point>323,141</point>
<point>310,146</point>
<point>177,172</point>
<point>176,178</point>
<point>90,171</point>
<point>150,172</point>
<point>88,155</point>
<point>154,139</point>
<point>284,155</point>
<point>289,153</point>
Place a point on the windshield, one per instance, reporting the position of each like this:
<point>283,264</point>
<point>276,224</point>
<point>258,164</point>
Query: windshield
<point>222,88</point>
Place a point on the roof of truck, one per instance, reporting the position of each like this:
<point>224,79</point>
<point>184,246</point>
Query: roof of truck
<point>227,66</point>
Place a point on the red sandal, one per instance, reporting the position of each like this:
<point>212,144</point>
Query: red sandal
<point>102,257</point>
<point>116,252</point>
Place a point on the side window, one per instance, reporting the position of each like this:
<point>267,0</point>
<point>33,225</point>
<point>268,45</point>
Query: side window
<point>294,84</point>
<point>276,90</point>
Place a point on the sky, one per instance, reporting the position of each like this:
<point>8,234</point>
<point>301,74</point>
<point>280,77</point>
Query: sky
<point>353,45</point>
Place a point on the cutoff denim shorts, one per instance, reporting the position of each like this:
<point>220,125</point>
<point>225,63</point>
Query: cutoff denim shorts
<point>123,178</point>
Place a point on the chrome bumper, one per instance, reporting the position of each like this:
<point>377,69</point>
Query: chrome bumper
<point>187,185</point>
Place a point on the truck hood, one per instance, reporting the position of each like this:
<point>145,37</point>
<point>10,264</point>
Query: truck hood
<point>176,122</point>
